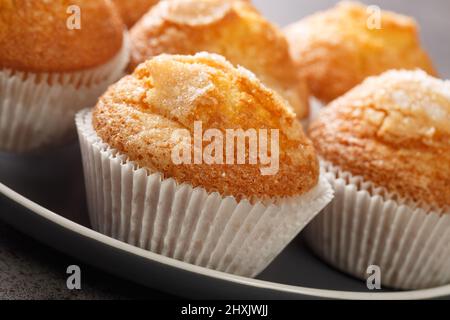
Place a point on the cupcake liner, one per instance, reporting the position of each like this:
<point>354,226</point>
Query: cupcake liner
<point>37,110</point>
<point>186,223</point>
<point>366,225</point>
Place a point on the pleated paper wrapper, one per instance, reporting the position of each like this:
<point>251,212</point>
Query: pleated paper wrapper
<point>365,225</point>
<point>37,110</point>
<point>189,224</point>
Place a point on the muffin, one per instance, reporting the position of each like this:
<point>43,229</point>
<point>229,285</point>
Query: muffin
<point>55,58</point>
<point>234,29</point>
<point>224,214</point>
<point>336,49</point>
<point>132,10</point>
<point>386,150</point>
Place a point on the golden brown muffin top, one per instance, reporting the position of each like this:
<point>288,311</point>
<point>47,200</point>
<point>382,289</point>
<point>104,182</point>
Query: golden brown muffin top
<point>140,114</point>
<point>338,48</point>
<point>234,29</point>
<point>394,130</point>
<point>34,35</point>
<point>132,10</point>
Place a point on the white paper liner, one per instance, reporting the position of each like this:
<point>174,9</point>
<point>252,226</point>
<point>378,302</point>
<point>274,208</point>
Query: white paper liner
<point>365,225</point>
<point>186,223</point>
<point>37,110</point>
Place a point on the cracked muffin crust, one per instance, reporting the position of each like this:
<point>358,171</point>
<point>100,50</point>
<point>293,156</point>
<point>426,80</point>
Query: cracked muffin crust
<point>231,28</point>
<point>138,116</point>
<point>34,36</point>
<point>338,48</point>
<point>394,130</point>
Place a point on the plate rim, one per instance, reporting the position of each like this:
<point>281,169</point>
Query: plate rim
<point>72,226</point>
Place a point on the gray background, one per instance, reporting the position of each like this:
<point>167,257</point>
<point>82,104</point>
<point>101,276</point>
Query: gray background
<point>29,270</point>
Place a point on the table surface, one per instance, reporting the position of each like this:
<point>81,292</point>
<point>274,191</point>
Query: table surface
<point>29,270</point>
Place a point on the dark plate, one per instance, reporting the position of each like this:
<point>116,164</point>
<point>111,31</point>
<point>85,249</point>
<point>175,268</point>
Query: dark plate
<point>46,194</point>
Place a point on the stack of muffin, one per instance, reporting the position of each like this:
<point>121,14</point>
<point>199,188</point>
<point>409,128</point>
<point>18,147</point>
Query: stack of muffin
<point>382,145</point>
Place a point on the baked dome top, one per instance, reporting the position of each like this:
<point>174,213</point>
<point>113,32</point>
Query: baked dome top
<point>338,48</point>
<point>394,130</point>
<point>34,35</point>
<point>141,113</point>
<point>231,28</point>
